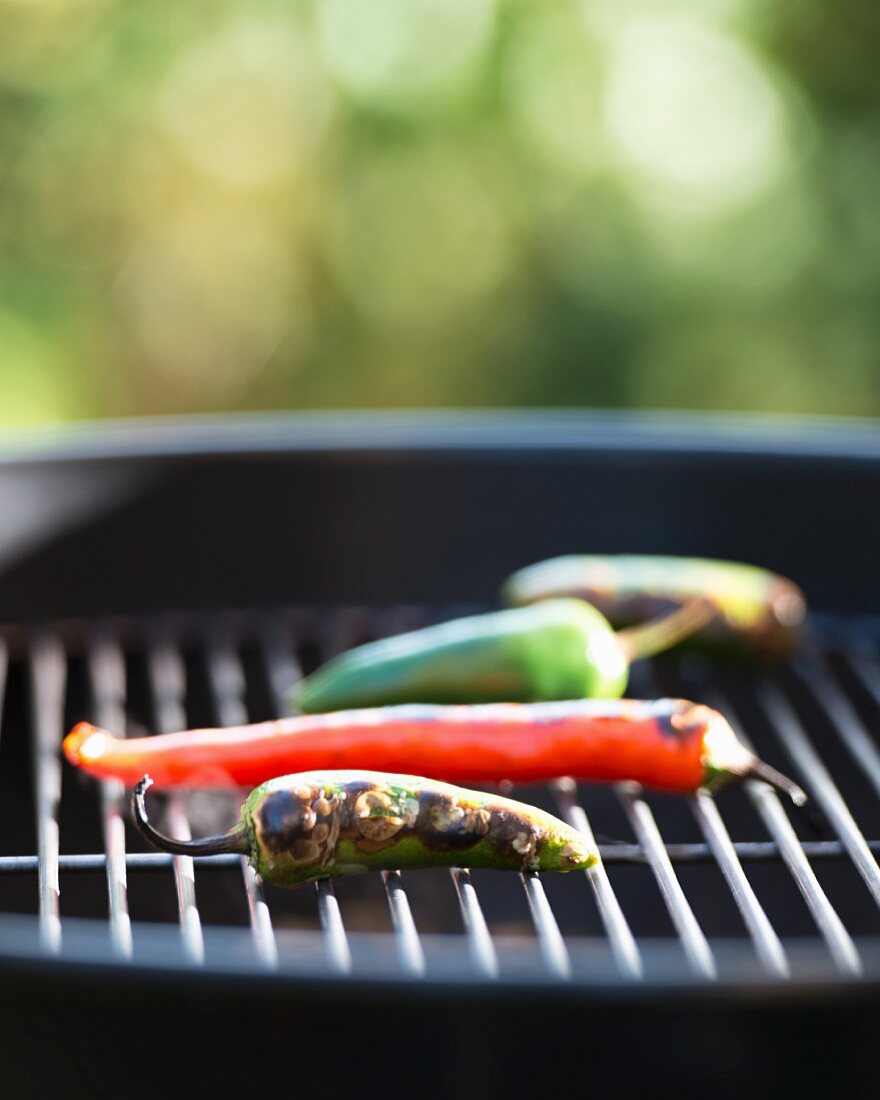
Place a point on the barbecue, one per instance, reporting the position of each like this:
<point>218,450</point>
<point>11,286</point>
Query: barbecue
<point>199,570</point>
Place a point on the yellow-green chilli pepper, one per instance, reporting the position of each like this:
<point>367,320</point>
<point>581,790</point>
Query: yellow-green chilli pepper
<point>557,649</point>
<point>324,824</point>
<point>754,608</point>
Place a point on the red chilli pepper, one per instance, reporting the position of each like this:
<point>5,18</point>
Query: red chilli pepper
<point>670,744</point>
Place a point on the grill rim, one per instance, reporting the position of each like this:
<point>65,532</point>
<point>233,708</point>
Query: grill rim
<point>689,989</point>
<point>429,431</point>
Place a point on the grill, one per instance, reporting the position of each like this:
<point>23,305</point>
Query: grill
<point>711,914</point>
<point>236,669</point>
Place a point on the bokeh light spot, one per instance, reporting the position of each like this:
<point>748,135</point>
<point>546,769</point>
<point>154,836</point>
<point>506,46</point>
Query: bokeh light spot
<point>208,295</point>
<point>420,235</point>
<point>250,105</point>
<point>553,81</point>
<point>400,54</point>
<point>693,112</point>
<point>35,380</point>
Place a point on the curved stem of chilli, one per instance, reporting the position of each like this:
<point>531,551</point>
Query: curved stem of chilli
<point>759,770</point>
<point>235,840</point>
<point>652,637</point>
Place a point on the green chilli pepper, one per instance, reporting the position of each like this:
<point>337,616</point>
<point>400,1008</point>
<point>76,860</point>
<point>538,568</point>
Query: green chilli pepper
<point>316,825</point>
<point>558,649</point>
<point>754,609</point>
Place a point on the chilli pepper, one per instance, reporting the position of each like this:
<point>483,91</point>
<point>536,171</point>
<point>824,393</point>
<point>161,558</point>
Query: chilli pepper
<point>755,609</point>
<point>327,823</point>
<point>670,744</point>
<point>558,649</point>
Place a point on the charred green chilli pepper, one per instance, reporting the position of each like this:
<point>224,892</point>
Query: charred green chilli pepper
<point>558,649</point>
<point>316,825</point>
<point>754,609</point>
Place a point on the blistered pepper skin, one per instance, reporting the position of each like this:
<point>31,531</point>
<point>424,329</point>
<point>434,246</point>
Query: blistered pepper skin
<point>558,649</point>
<point>316,825</point>
<point>755,609</point>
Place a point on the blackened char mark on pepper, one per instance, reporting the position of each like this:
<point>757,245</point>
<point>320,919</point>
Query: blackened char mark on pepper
<point>302,823</point>
<point>375,817</point>
<point>444,823</point>
<point>284,818</point>
<point>348,819</point>
<point>513,838</point>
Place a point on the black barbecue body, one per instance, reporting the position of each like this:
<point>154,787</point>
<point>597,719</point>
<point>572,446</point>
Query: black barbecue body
<point>374,510</point>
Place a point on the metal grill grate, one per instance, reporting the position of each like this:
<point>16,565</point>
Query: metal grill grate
<point>689,889</point>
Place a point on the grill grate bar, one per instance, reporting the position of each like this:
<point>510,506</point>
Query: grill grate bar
<point>106,666</point>
<point>338,950</point>
<point>690,933</point>
<point>283,670</point>
<point>228,686</point>
<point>821,785</point>
<point>474,921</point>
<point>770,809</point>
<point>226,677</point>
<point>167,677</point>
<point>767,944</point>
<point>550,940</point>
<point>623,943</point>
<point>112,801</point>
<point>409,946</point>
<point>864,665</point>
<point>185,884</point>
<point>694,942</point>
<point>479,937</point>
<point>48,678</point>
<point>843,716</point>
<point>259,917</point>
<point>832,928</point>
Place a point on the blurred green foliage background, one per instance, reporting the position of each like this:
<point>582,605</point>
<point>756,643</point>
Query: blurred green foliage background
<point>236,204</point>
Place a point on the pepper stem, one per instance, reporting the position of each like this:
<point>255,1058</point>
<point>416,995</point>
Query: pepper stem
<point>668,630</point>
<point>236,840</point>
<point>759,770</point>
